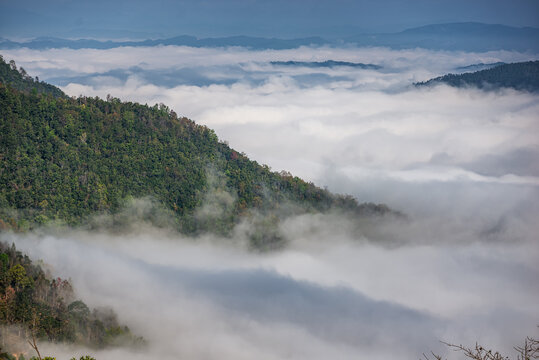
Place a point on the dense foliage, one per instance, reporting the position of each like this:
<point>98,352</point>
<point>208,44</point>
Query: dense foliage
<point>20,80</point>
<point>64,159</point>
<point>32,305</point>
<point>520,76</point>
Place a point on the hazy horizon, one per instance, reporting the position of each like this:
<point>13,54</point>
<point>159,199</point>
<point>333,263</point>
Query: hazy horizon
<point>286,19</point>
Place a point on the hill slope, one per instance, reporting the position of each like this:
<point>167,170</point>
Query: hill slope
<point>66,159</point>
<point>32,300</point>
<point>20,80</point>
<point>520,76</point>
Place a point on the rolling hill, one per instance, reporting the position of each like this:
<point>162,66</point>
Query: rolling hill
<point>68,159</point>
<point>522,76</point>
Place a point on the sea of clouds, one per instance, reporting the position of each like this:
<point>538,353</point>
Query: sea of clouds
<point>460,163</point>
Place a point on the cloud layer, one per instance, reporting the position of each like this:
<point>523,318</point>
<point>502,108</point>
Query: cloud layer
<point>461,163</point>
<point>323,296</point>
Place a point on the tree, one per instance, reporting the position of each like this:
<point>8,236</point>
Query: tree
<point>18,277</point>
<point>529,351</point>
<point>7,305</point>
<point>33,342</point>
<point>39,305</point>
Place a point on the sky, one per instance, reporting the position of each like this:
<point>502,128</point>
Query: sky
<point>276,18</point>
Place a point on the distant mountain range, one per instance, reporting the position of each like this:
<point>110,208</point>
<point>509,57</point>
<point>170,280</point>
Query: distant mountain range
<point>183,40</point>
<point>468,36</point>
<point>520,76</point>
<point>326,64</point>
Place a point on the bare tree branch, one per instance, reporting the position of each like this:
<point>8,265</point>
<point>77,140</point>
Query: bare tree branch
<point>33,343</point>
<point>529,351</point>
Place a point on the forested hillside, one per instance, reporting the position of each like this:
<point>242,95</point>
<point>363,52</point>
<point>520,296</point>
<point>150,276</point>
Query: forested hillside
<point>64,159</point>
<point>520,76</point>
<point>20,80</point>
<point>33,305</point>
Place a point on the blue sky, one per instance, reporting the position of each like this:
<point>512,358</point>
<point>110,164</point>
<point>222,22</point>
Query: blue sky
<point>279,18</point>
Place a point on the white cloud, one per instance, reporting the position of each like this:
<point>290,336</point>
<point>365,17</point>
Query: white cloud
<point>460,162</point>
<point>327,294</point>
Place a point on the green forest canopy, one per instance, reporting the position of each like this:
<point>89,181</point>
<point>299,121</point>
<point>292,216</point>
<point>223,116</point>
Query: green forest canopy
<point>46,308</point>
<point>520,76</point>
<point>65,159</point>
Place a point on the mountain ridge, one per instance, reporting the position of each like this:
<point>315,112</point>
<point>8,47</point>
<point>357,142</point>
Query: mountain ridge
<point>469,36</point>
<point>464,36</point>
<point>523,76</point>
<point>67,159</point>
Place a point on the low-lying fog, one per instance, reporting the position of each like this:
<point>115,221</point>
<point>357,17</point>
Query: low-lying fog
<point>461,163</point>
<point>326,295</point>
